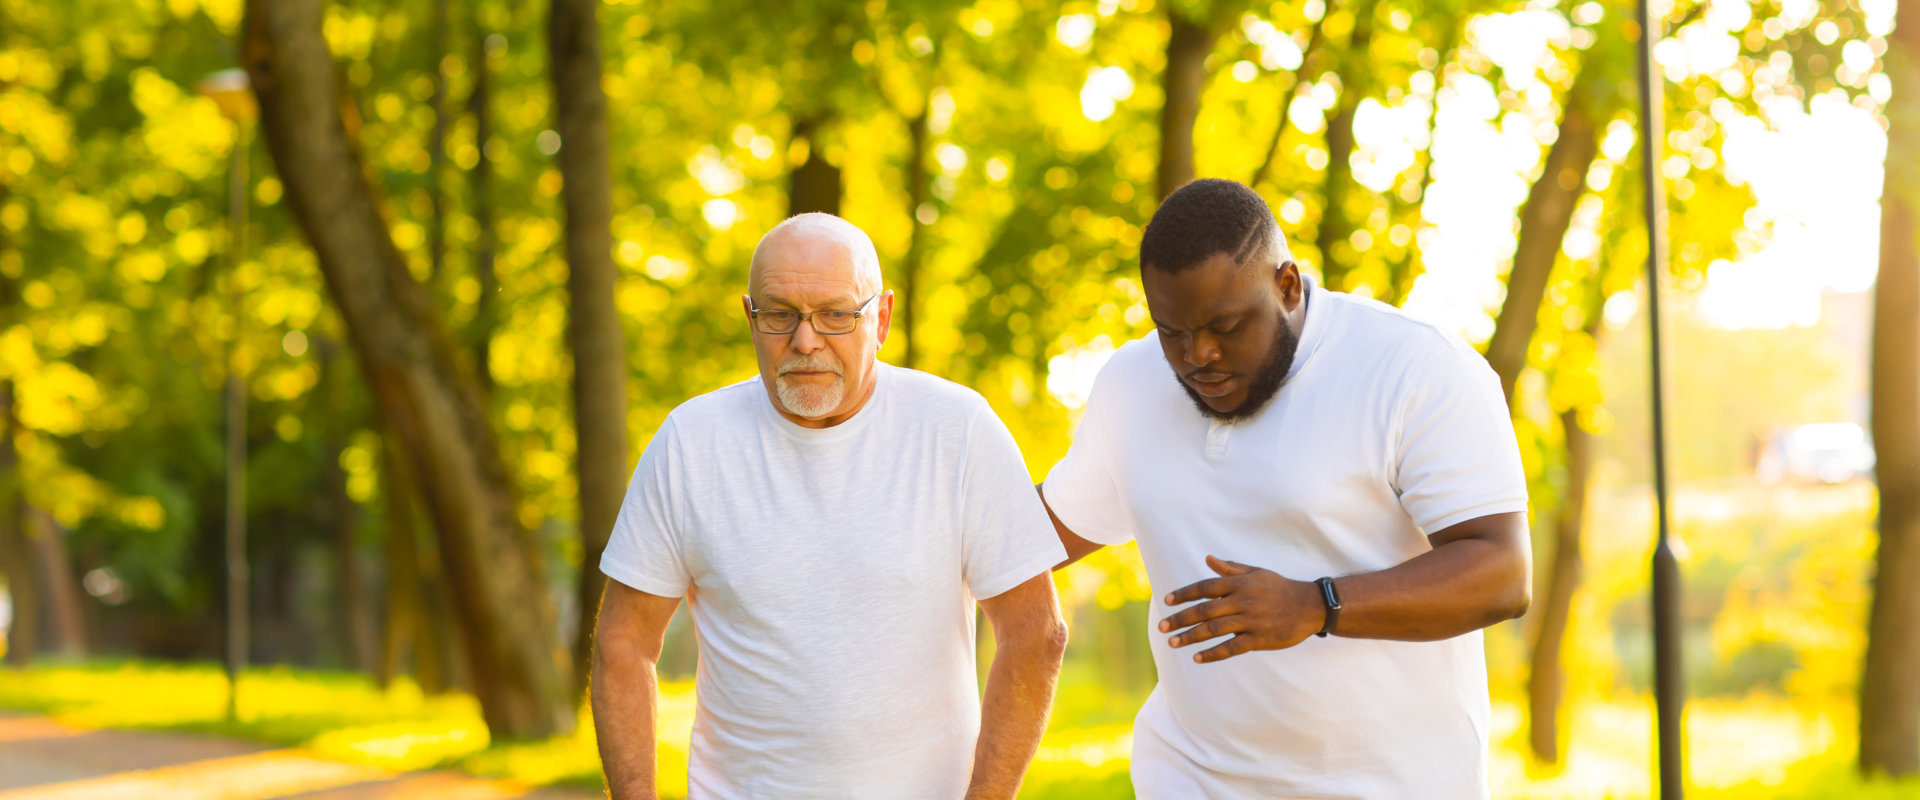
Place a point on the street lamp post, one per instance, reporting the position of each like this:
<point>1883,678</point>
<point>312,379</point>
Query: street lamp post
<point>1668,689</point>
<point>230,90</point>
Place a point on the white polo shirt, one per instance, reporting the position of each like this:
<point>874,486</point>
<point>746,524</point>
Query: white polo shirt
<point>832,575</point>
<point>1386,430</point>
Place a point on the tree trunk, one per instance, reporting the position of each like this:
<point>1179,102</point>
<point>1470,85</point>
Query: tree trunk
<point>599,347</point>
<point>415,622</point>
<point>436,411</point>
<point>439,653</point>
<point>1336,227</point>
<point>356,628</point>
<point>815,184</point>
<point>1302,76</point>
<point>63,629</point>
<point>481,332</point>
<point>1185,77</point>
<point>919,188</point>
<point>1890,682</point>
<point>16,555</point>
<point>342,515</point>
<point>1545,679</point>
<point>437,152</point>
<point>1544,220</point>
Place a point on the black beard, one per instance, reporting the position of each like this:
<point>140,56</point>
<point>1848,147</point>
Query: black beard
<point>1266,382</point>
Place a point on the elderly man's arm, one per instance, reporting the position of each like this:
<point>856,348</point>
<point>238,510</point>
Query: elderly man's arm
<point>1478,573</point>
<point>1029,638</point>
<point>624,690</point>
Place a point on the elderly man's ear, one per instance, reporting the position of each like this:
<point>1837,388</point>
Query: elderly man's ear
<point>885,312</point>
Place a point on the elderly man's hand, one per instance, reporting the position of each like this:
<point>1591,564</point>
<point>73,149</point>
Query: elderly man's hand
<point>1260,609</point>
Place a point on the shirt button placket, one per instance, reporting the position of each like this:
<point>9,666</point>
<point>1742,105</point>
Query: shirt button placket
<point>1218,432</point>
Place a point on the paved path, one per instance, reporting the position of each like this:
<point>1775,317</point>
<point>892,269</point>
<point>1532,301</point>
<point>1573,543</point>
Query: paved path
<point>41,759</point>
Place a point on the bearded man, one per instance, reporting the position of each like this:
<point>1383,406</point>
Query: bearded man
<point>832,523</point>
<point>1330,505</point>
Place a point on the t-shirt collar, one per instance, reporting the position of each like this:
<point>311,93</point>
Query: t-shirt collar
<point>1318,309</point>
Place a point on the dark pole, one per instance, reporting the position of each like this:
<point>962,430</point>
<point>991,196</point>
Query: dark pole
<point>236,549</point>
<point>1669,694</point>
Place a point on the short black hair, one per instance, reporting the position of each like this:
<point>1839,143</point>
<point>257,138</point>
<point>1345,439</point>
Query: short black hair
<point>1204,219</point>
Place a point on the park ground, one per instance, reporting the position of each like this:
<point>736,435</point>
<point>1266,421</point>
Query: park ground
<point>135,729</point>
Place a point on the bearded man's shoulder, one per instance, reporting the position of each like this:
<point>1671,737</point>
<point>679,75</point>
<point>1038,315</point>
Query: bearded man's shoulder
<point>1394,338</point>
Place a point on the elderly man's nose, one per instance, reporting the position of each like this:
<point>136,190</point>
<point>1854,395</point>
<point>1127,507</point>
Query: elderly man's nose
<point>805,339</point>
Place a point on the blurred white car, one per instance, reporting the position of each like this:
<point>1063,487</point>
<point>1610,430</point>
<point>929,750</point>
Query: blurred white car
<point>1834,452</point>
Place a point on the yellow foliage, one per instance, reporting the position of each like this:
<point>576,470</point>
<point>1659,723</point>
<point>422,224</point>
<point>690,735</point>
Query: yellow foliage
<point>143,265</point>
<point>185,133</point>
<point>224,13</point>
<point>144,513</point>
<point>20,161</point>
<point>358,460</point>
<point>88,328</point>
<point>56,399</point>
<point>38,294</point>
<point>45,129</point>
<point>287,383</point>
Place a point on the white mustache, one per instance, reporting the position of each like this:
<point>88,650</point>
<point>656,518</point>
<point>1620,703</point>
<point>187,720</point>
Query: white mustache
<point>810,364</point>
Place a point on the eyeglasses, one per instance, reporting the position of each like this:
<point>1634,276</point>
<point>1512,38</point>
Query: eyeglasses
<point>829,322</point>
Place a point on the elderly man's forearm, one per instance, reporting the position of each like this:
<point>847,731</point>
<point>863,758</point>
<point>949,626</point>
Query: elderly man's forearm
<point>1014,711</point>
<point>624,696</point>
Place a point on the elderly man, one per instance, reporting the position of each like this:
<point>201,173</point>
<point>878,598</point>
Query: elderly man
<point>831,523</point>
<point>1329,500</point>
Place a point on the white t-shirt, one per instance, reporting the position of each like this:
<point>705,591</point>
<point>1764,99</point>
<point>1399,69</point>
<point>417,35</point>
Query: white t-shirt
<point>832,575</point>
<point>1386,430</point>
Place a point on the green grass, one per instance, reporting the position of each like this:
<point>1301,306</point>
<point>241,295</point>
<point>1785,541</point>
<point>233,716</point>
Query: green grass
<point>1759,748</point>
<point>344,716</point>
<point>334,715</point>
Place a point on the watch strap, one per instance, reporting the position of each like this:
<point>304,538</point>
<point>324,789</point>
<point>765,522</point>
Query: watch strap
<point>1332,599</point>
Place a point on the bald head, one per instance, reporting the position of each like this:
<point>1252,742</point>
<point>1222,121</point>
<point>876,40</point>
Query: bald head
<point>814,264</point>
<point>816,247</point>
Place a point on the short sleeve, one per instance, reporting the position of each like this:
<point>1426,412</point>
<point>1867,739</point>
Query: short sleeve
<point>1456,456</point>
<point>1006,535</point>
<point>1083,489</point>
<point>643,551</point>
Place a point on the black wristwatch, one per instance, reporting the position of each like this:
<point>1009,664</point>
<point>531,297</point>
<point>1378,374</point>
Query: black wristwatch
<point>1332,599</point>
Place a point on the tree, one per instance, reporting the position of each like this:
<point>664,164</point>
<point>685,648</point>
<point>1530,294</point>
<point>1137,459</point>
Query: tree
<point>433,407</point>
<point>1190,39</point>
<point>1308,72</point>
<point>1405,269</point>
<point>417,619</point>
<point>437,151</point>
<point>16,554</point>
<point>599,347</point>
<point>1546,679</point>
<point>919,191</point>
<point>918,68</point>
<point>1544,220</point>
<point>1545,217</point>
<point>1337,255</point>
<point>341,514</point>
<point>1890,682</point>
<point>479,181</point>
